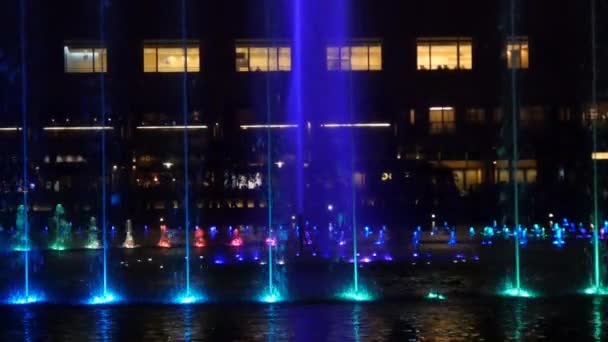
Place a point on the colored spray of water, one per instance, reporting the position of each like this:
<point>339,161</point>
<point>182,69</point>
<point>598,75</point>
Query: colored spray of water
<point>435,296</point>
<point>516,292</point>
<point>187,298</point>
<point>62,229</point>
<point>92,238</point>
<point>359,294</point>
<point>106,297</point>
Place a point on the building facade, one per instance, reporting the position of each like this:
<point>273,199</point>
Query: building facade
<point>122,87</point>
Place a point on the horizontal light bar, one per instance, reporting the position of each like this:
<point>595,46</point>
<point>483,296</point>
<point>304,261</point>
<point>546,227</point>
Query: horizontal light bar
<point>441,108</point>
<point>172,127</point>
<point>370,125</point>
<point>9,129</point>
<point>78,128</point>
<point>268,126</point>
<point>599,155</point>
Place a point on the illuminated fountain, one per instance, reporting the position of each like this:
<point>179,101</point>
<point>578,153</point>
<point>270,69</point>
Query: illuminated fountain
<point>129,241</point>
<point>19,240</point>
<point>199,237</point>
<point>164,241</point>
<point>558,235</point>
<point>237,240</point>
<point>92,237</point>
<point>452,240</point>
<point>62,229</point>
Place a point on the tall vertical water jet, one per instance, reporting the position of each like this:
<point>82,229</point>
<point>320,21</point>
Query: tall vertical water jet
<point>188,296</point>
<point>296,93</point>
<point>271,294</point>
<point>515,290</point>
<point>26,296</point>
<point>597,287</point>
<point>105,296</point>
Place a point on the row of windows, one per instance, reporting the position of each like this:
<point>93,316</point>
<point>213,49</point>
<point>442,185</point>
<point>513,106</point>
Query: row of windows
<point>431,53</point>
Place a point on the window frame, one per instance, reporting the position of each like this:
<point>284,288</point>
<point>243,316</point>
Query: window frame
<point>94,61</point>
<point>343,59</point>
<point>520,42</point>
<point>443,126</point>
<point>185,47</point>
<point>437,41</point>
<point>273,51</point>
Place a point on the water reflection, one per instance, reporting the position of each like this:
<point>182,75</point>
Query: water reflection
<point>104,322</point>
<point>453,320</point>
<point>28,324</point>
<point>596,318</point>
<point>356,323</point>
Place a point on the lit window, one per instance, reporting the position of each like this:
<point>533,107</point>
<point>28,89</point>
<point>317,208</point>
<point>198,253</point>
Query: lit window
<point>467,179</point>
<point>444,53</point>
<point>531,116</point>
<point>363,57</point>
<point>517,53</point>
<point>85,59</point>
<point>441,120</point>
<point>475,115</point>
<point>171,58</point>
<point>263,58</point>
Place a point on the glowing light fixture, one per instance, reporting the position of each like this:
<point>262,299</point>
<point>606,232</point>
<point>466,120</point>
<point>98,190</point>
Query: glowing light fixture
<point>168,128</point>
<point>9,129</point>
<point>357,125</point>
<point>245,127</point>
<point>78,128</point>
<point>599,156</point>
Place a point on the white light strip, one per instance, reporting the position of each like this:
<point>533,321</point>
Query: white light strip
<point>172,127</point>
<point>268,126</point>
<point>78,128</point>
<point>599,156</point>
<point>441,108</point>
<point>368,125</point>
<point>9,129</point>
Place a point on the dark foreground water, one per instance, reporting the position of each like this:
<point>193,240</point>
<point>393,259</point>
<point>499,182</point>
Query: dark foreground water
<point>456,319</point>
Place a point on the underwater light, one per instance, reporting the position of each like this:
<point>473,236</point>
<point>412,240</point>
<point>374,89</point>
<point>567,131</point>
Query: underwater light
<point>185,298</point>
<point>515,292</point>
<point>23,300</point>
<point>107,298</point>
<point>435,296</point>
<point>596,291</point>
<point>359,295</point>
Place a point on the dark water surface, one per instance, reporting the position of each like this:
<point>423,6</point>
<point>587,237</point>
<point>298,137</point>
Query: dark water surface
<point>456,319</point>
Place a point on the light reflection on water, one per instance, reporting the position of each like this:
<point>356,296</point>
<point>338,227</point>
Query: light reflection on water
<point>464,319</point>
